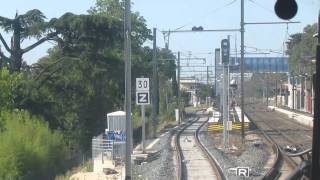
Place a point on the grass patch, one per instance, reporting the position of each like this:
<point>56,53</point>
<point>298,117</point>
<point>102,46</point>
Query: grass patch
<point>85,167</point>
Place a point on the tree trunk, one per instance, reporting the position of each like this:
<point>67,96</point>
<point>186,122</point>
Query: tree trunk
<point>15,61</point>
<point>16,55</point>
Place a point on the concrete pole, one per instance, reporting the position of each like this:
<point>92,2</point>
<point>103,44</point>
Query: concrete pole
<point>280,93</point>
<point>242,71</point>
<point>311,94</point>
<point>143,117</point>
<point>305,95</point>
<point>263,92</point>
<point>300,103</point>
<point>216,61</point>
<point>179,104</point>
<point>167,98</point>
<point>276,93</point>
<point>293,94</point>
<point>228,99</point>
<point>225,106</point>
<point>215,74</point>
<point>267,92</point>
<point>127,59</point>
<point>207,75</point>
<point>311,90</point>
<point>221,93</point>
<point>316,121</point>
<point>154,84</point>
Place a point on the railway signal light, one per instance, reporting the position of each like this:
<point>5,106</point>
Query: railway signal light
<point>286,9</point>
<point>225,50</point>
<point>194,28</point>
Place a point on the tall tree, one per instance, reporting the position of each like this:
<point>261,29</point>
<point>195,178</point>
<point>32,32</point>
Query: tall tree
<point>301,48</point>
<point>29,25</point>
<point>81,79</point>
<point>114,9</point>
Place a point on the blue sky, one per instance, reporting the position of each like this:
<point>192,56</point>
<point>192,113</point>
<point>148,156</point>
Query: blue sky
<point>171,14</point>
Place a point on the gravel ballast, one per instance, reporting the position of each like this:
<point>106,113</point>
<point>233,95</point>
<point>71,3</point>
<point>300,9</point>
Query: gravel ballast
<point>161,168</point>
<point>255,156</point>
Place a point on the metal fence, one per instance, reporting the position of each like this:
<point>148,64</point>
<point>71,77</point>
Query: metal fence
<point>107,152</point>
<point>102,148</point>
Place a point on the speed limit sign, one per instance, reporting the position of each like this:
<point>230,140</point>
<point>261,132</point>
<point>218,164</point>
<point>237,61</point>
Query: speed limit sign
<point>142,84</point>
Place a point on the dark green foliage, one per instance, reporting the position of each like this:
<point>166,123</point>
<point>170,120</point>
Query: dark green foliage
<point>167,67</point>
<point>185,98</point>
<point>8,84</point>
<point>205,91</point>
<point>114,10</point>
<point>28,25</point>
<point>78,83</point>
<point>301,48</point>
<point>81,80</point>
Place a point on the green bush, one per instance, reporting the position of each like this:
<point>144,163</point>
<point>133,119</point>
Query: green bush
<point>28,148</point>
<point>8,83</point>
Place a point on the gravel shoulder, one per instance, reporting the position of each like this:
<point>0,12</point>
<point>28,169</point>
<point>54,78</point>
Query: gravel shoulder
<point>161,168</point>
<point>255,156</point>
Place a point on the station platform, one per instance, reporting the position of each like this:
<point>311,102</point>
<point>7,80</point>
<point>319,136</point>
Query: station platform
<point>238,110</point>
<point>215,122</point>
<point>301,118</point>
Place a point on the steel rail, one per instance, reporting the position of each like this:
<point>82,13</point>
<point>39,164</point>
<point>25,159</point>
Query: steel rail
<point>179,150</point>
<point>179,153</point>
<point>286,137</point>
<point>213,162</point>
<point>274,171</point>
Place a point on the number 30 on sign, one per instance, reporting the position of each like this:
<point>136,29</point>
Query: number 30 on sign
<point>142,84</point>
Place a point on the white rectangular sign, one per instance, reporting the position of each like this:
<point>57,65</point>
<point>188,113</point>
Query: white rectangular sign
<point>143,98</point>
<point>240,171</point>
<point>229,125</point>
<point>142,84</point>
<point>243,171</point>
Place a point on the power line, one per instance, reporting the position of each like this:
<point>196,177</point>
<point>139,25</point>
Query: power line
<point>211,12</point>
<point>267,50</point>
<point>286,36</point>
<point>261,6</point>
<point>267,9</point>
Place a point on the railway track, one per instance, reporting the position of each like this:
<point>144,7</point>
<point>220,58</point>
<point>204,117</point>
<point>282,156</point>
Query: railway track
<point>194,160</point>
<point>283,134</point>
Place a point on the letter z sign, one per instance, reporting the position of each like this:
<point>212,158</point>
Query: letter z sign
<point>142,98</point>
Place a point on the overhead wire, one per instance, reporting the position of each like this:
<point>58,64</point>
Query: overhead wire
<point>255,49</point>
<point>265,8</point>
<point>166,36</point>
<point>211,12</point>
<point>286,37</point>
<point>261,6</point>
<point>287,28</point>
